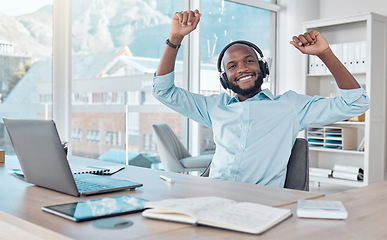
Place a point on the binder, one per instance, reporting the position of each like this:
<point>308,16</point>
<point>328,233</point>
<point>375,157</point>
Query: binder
<point>363,57</point>
<point>351,56</point>
<point>312,65</point>
<point>345,55</point>
<point>357,57</point>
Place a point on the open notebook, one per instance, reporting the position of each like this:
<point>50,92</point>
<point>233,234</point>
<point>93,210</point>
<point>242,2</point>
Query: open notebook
<point>253,218</point>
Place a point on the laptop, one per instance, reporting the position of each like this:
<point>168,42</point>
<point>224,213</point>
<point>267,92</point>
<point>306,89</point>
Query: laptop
<point>44,163</point>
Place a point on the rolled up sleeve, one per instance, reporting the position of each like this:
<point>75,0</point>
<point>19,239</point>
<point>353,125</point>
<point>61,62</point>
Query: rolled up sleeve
<point>317,111</point>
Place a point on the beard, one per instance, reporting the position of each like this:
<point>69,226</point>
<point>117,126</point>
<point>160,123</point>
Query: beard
<point>248,91</point>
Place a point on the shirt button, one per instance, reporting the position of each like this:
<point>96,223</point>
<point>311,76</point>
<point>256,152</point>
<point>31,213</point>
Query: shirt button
<point>232,176</point>
<point>237,159</point>
<point>245,108</point>
<point>242,146</point>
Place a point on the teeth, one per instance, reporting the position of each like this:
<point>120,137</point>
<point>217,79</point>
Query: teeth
<point>244,78</point>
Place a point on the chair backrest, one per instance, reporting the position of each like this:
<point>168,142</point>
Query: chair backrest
<point>297,176</point>
<point>169,147</point>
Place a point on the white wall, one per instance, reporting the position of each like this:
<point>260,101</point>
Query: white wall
<point>291,16</point>
<point>337,8</point>
<point>290,61</point>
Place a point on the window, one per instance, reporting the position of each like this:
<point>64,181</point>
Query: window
<point>116,47</point>
<point>146,141</point>
<point>116,52</point>
<point>76,135</point>
<point>26,62</point>
<point>231,21</point>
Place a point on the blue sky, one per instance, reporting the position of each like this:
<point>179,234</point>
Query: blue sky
<point>20,7</point>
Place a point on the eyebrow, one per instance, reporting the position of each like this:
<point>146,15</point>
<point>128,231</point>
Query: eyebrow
<point>243,58</point>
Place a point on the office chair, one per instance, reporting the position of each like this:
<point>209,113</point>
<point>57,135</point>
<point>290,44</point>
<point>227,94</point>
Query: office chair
<point>173,155</point>
<point>297,176</point>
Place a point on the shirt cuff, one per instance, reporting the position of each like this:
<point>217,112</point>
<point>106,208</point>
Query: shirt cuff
<point>164,81</point>
<point>352,95</point>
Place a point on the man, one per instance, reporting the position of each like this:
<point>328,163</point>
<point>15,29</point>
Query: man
<point>254,131</point>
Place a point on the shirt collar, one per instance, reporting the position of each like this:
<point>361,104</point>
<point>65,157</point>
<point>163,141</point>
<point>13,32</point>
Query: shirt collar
<point>265,94</point>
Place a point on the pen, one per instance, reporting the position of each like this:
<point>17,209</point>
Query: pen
<point>167,179</point>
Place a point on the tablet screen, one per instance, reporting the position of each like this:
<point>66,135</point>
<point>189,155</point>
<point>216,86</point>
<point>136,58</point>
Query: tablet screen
<point>97,208</point>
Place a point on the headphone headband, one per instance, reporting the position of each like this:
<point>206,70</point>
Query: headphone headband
<point>250,44</point>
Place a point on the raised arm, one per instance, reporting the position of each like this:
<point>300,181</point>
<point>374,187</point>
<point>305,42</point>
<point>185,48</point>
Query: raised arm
<point>313,43</point>
<point>182,24</point>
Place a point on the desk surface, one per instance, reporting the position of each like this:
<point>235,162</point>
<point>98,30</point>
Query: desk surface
<point>25,200</point>
<point>366,206</point>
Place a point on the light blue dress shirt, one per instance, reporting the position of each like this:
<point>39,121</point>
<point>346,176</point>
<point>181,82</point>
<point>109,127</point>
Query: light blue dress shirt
<point>254,138</point>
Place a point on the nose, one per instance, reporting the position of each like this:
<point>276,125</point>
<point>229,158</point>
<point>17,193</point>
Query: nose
<point>242,68</point>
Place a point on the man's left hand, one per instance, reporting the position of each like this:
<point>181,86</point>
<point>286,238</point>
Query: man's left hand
<point>312,43</point>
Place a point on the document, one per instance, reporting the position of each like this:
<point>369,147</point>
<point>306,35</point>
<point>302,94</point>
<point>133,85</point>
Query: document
<point>348,172</point>
<point>218,212</point>
<point>320,172</point>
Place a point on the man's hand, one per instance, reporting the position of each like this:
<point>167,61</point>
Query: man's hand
<point>182,24</point>
<point>312,43</point>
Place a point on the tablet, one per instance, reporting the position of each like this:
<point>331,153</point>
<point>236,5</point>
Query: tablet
<point>97,208</point>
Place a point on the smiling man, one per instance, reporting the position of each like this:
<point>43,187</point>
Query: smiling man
<point>243,71</point>
<point>245,77</point>
<point>254,131</point>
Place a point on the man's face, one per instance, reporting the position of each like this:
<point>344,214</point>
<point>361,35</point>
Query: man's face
<point>242,68</point>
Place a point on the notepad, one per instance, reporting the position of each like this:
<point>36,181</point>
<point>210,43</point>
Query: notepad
<point>218,212</point>
<point>321,209</point>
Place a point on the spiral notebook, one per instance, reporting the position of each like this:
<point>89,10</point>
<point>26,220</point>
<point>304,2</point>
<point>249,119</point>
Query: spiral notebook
<point>94,169</point>
<point>79,169</point>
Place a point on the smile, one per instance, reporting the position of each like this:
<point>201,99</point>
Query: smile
<point>245,78</point>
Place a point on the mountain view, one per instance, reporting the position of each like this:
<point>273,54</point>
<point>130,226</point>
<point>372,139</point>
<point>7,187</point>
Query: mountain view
<point>143,25</point>
<point>97,24</point>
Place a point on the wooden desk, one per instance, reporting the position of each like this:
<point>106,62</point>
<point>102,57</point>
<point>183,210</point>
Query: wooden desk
<point>366,206</point>
<point>24,200</point>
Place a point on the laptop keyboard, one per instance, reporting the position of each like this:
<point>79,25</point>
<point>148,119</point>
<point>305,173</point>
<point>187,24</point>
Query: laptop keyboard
<point>85,186</point>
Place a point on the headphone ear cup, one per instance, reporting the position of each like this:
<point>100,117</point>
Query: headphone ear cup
<point>224,81</point>
<point>264,68</point>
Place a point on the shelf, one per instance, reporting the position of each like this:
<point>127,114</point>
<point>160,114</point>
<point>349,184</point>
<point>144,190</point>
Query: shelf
<point>348,123</point>
<point>330,75</point>
<point>356,41</point>
<point>323,149</point>
<point>337,181</point>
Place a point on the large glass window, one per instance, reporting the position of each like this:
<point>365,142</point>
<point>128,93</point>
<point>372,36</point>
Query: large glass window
<point>116,47</point>
<point>224,22</point>
<point>25,62</point>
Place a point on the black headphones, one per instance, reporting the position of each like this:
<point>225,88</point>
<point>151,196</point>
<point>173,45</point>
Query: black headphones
<point>262,63</point>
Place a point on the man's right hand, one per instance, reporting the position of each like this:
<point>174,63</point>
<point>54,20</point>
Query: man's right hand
<point>182,24</point>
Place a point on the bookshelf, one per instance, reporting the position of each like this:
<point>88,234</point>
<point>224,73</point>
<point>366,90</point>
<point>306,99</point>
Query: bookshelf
<point>360,42</point>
